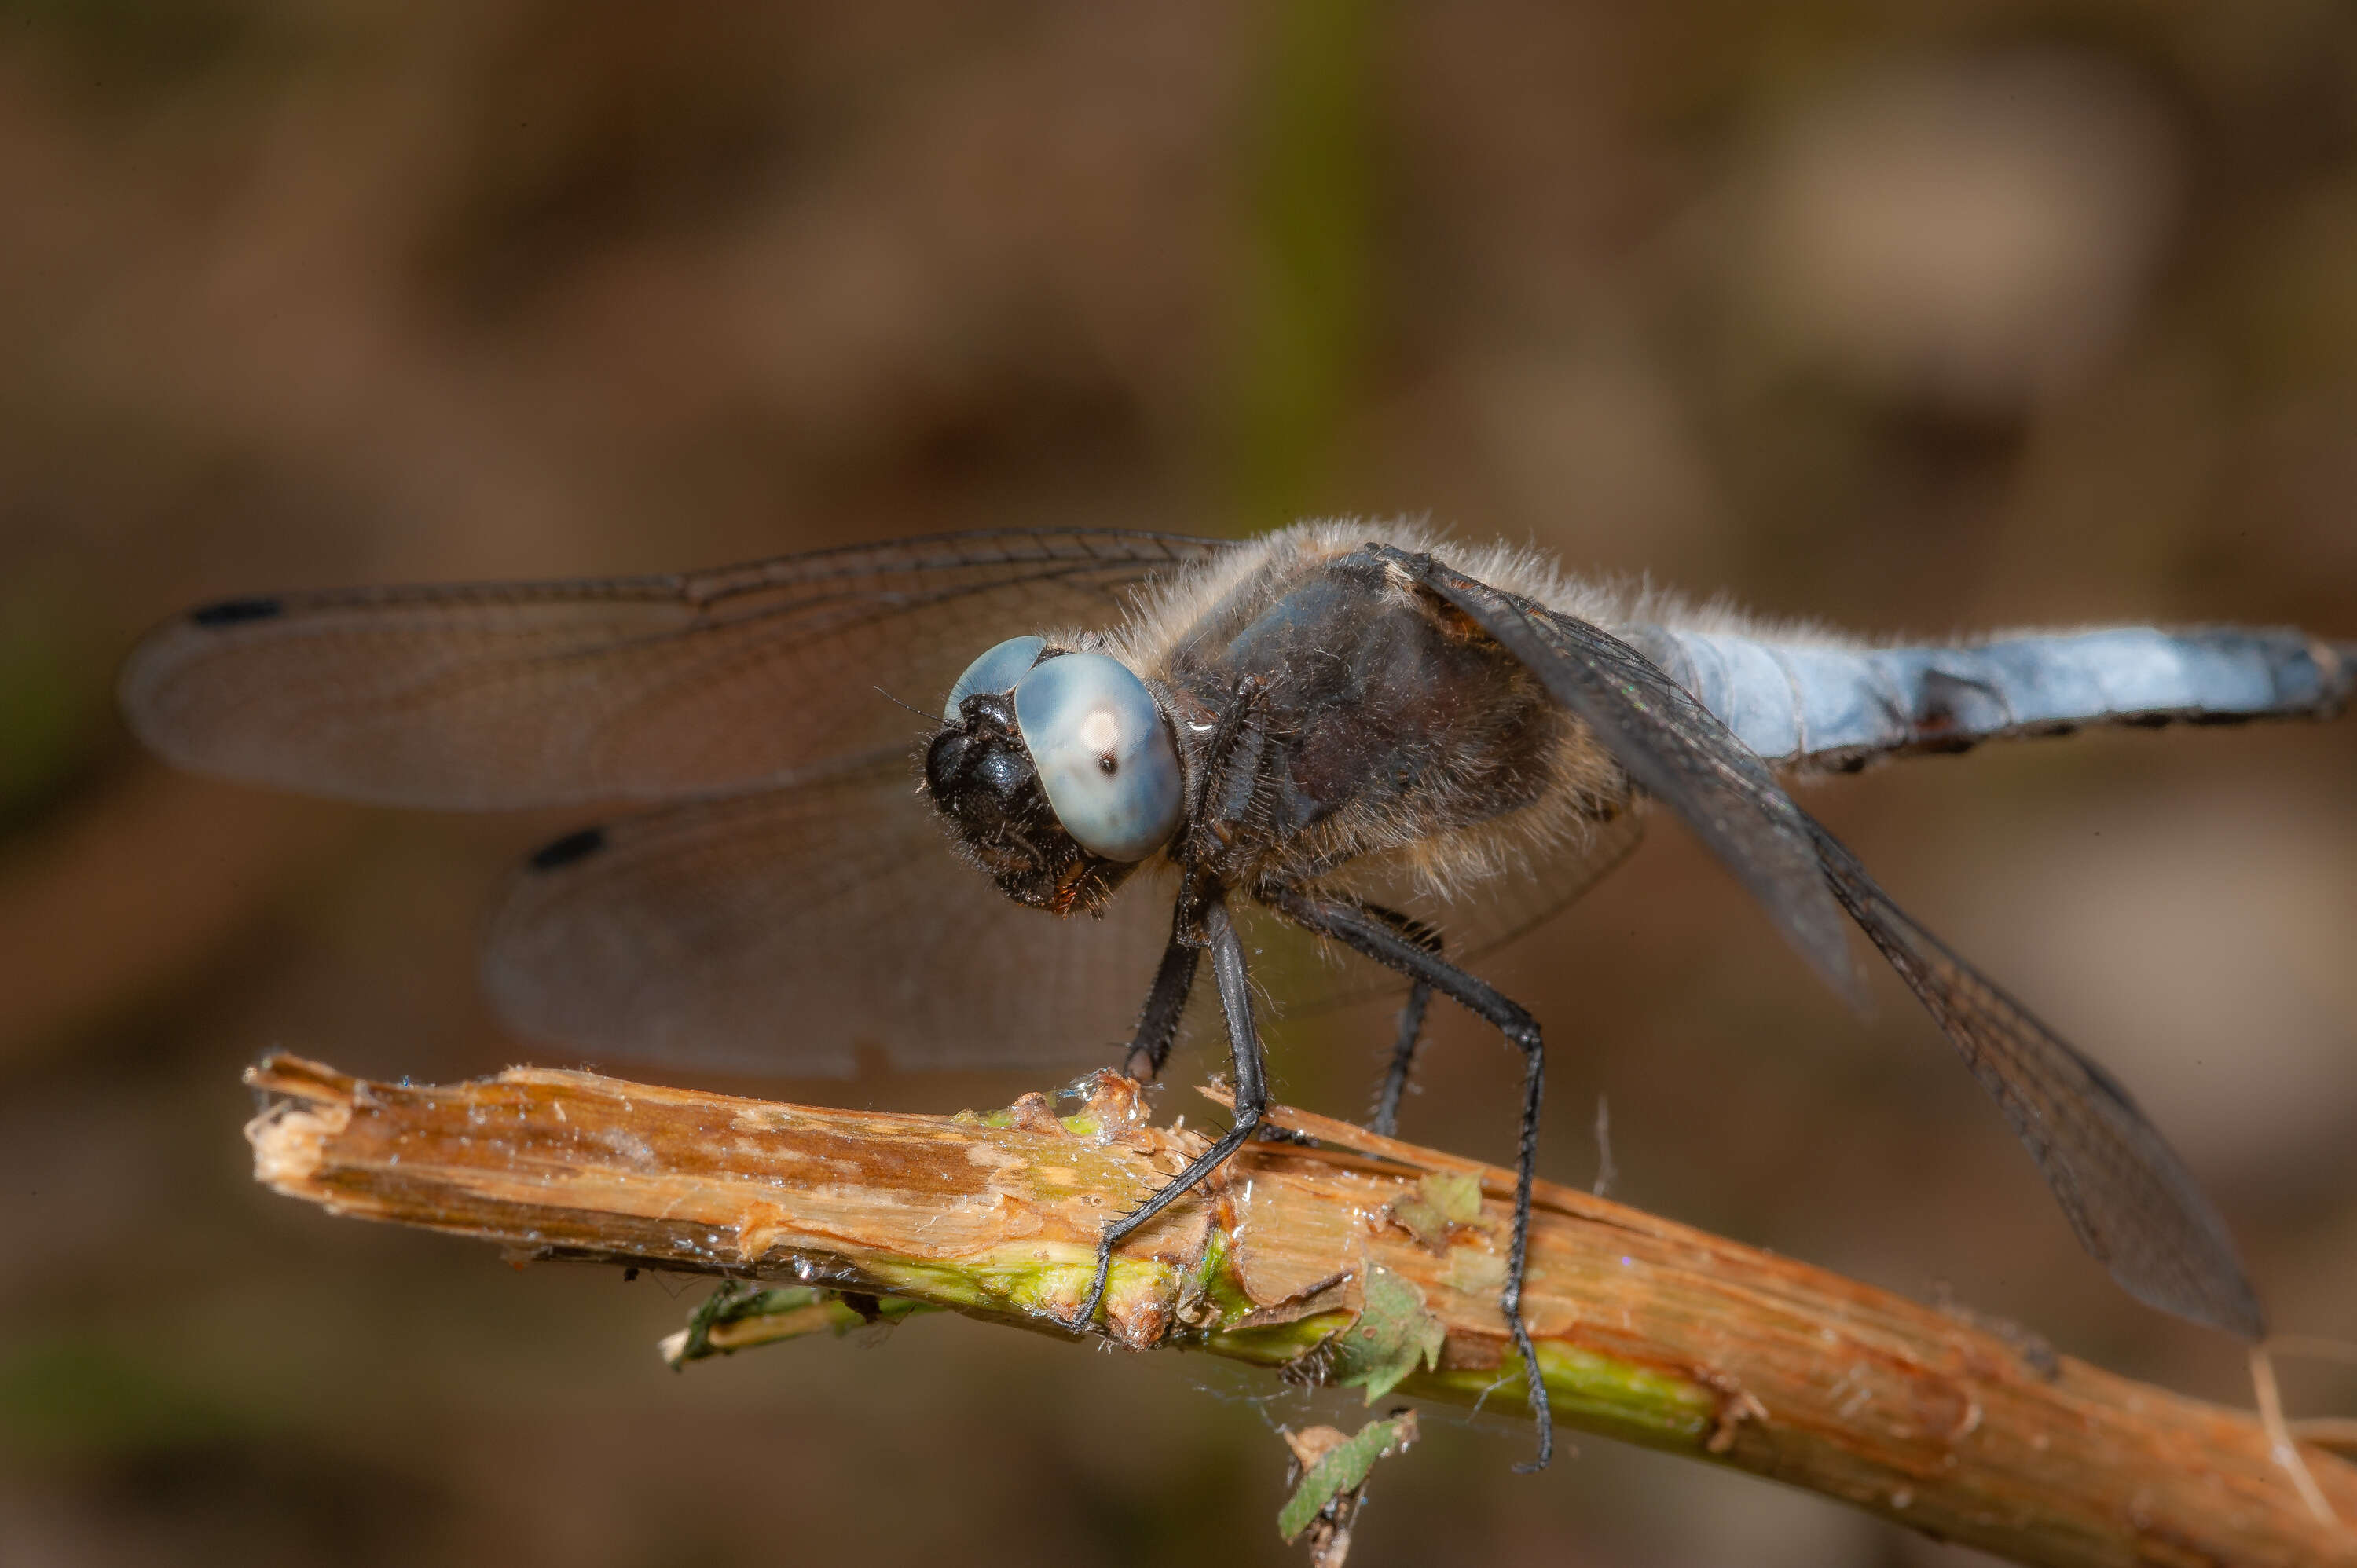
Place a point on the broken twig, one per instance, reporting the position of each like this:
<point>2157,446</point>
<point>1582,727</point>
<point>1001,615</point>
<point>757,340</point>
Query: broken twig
<point>1359,1259</point>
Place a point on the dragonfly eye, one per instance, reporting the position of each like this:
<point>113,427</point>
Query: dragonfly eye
<point>1105,756</point>
<point>996,671</point>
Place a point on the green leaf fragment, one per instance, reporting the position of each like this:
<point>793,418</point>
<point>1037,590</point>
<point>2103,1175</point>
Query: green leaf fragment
<point>787,1313</point>
<point>1393,1331</point>
<point>1344,1470</point>
<point>1455,1194</point>
<point>1440,1200</point>
<point>734,1300</point>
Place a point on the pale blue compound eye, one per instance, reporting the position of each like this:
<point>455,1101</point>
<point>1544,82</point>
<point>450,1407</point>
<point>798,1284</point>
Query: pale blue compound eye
<point>1103,755</point>
<point>996,671</point>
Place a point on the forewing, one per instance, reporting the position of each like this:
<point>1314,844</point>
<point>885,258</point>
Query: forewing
<point>782,930</point>
<point>2132,1201</point>
<point>639,688</point>
<point>1672,747</point>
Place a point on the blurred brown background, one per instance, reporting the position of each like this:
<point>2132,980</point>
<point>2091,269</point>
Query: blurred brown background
<point>1967,315</point>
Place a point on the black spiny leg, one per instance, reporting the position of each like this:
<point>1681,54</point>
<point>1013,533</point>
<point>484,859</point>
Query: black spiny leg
<point>1377,938</point>
<point>1252,1095</point>
<point>1226,786</point>
<point>1411,1022</point>
<point>1158,1026</point>
<point>1403,1067</point>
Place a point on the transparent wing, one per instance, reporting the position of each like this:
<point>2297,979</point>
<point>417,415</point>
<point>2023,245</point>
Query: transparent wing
<point>782,931</point>
<point>2135,1205</point>
<point>640,688</point>
<point>1519,897</point>
<point>1309,973</point>
<point>2132,1202</point>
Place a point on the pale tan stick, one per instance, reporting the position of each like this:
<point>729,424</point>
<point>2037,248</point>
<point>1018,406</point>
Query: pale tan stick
<point>1647,1330</point>
<point>2336,1432</point>
<point>2281,1440</point>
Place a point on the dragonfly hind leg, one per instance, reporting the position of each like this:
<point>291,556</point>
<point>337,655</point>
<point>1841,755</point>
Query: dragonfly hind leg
<point>1375,934</point>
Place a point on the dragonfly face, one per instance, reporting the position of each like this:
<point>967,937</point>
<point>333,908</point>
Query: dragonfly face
<point>1328,726</point>
<point>1057,771</point>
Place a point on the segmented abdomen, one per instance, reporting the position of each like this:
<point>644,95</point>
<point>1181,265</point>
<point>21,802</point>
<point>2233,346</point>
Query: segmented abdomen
<point>1800,705</point>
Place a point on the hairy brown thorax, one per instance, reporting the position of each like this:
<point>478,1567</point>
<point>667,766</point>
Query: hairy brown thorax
<point>1382,724</point>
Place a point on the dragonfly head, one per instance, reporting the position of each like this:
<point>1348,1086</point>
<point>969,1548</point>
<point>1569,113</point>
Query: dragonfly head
<point>1057,772</point>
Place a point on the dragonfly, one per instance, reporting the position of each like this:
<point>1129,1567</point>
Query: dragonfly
<point>1147,748</point>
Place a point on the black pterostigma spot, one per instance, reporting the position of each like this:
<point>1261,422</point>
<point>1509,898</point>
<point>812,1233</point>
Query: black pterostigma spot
<point>573,846</point>
<point>236,612</point>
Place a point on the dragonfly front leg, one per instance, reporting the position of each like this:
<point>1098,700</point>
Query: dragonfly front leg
<point>1251,1089</point>
<point>1237,769</point>
<point>1234,765</point>
<point>1165,1004</point>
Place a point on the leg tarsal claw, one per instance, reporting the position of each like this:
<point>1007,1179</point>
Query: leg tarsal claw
<point>1084,1321</point>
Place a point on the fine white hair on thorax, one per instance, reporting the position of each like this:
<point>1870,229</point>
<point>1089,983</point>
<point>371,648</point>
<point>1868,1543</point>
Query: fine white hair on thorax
<point>1171,607</point>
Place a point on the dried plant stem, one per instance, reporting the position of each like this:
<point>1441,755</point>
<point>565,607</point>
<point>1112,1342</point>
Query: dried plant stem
<point>1646,1330</point>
